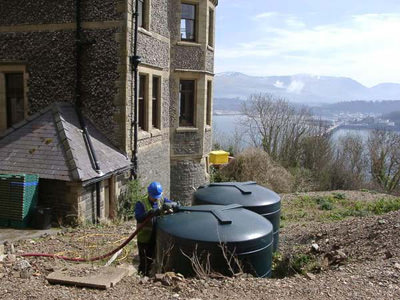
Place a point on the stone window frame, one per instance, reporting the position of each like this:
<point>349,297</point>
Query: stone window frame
<point>196,22</point>
<point>7,68</point>
<point>200,99</point>
<point>195,88</point>
<point>150,73</point>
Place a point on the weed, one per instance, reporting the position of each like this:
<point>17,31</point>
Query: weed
<point>339,196</point>
<point>324,203</point>
<point>289,265</point>
<point>383,206</point>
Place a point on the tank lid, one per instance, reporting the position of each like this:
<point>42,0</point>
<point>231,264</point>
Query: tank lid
<point>248,194</point>
<point>218,212</point>
<point>216,223</point>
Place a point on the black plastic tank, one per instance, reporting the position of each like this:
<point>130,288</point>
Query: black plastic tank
<point>207,237</point>
<point>250,195</point>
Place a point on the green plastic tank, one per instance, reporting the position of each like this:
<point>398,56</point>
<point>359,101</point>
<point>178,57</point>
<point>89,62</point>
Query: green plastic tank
<point>207,237</point>
<point>250,195</point>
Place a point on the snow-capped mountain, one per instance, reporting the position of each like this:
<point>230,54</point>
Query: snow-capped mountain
<point>302,88</point>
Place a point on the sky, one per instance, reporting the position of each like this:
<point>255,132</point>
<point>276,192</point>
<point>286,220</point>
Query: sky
<point>359,39</point>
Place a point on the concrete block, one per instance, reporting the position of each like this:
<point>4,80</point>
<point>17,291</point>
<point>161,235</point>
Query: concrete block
<point>106,277</point>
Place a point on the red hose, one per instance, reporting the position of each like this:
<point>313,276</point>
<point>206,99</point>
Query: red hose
<point>140,226</point>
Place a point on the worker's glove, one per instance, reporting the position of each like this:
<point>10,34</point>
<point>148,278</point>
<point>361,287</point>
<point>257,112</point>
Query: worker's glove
<point>155,212</point>
<point>176,206</point>
<point>170,207</point>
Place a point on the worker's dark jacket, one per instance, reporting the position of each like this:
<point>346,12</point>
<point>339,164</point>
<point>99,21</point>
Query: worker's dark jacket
<point>142,209</point>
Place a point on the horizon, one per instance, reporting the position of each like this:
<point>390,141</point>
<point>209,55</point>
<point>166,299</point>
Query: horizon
<point>307,74</point>
<point>341,39</point>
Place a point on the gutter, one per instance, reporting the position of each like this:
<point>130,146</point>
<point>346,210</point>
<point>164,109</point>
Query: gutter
<point>78,102</point>
<point>106,176</point>
<point>135,60</point>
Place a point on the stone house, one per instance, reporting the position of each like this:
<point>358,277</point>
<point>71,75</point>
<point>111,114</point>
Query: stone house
<point>66,63</point>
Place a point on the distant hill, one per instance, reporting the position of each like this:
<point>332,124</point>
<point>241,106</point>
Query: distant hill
<point>376,107</point>
<point>393,116</point>
<point>302,88</point>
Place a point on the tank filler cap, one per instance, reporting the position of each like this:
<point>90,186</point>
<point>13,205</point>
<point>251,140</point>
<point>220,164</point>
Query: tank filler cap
<point>217,213</point>
<point>241,186</point>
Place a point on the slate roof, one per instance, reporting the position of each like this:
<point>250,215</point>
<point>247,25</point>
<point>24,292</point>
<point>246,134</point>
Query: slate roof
<point>51,144</point>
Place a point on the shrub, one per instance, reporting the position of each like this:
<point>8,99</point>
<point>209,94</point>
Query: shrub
<point>127,202</point>
<point>256,165</point>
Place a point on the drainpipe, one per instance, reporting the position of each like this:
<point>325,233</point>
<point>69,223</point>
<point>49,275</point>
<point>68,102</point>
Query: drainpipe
<point>135,60</point>
<point>78,102</point>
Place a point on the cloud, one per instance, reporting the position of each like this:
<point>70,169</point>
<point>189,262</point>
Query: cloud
<point>266,15</point>
<point>279,84</point>
<point>295,87</point>
<point>363,45</point>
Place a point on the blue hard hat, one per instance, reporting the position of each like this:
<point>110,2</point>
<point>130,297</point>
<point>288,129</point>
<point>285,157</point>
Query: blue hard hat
<point>155,190</point>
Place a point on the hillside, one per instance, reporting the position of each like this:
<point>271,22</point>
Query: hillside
<point>302,88</point>
<point>348,249</point>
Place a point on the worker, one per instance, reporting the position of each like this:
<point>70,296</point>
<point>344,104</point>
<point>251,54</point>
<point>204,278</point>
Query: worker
<point>155,204</point>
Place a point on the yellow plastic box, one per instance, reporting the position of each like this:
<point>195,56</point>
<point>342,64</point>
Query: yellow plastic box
<point>219,157</point>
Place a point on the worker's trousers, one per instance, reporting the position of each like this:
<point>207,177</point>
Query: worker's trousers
<point>146,256</point>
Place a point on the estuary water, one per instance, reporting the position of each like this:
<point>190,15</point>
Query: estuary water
<point>226,125</point>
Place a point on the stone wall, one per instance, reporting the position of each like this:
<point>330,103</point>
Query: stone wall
<point>176,159</point>
<point>187,176</point>
<point>186,143</point>
<point>87,204</point>
<point>185,57</point>
<point>153,51</point>
<point>207,141</point>
<point>154,164</point>
<point>189,61</point>
<point>159,18</point>
<point>210,61</point>
<point>50,56</point>
<point>56,12</point>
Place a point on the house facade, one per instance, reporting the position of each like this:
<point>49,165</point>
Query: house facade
<point>56,51</point>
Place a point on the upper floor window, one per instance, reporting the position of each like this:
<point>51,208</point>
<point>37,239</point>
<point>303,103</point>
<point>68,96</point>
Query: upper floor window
<point>211,28</point>
<point>186,102</point>
<point>188,22</point>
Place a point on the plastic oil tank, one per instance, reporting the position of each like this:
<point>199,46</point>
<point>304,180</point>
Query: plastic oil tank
<point>211,235</point>
<point>250,195</point>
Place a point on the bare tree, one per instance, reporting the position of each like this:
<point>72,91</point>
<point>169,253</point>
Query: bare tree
<point>276,126</point>
<point>233,142</point>
<point>384,155</point>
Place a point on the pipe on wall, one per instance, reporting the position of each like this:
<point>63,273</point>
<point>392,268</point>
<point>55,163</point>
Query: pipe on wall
<point>135,60</point>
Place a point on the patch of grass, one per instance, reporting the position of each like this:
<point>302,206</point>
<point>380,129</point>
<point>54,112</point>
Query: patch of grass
<point>334,207</point>
<point>339,196</point>
<point>384,206</point>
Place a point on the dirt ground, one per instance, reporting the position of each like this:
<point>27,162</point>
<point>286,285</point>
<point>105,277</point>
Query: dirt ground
<point>353,258</point>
